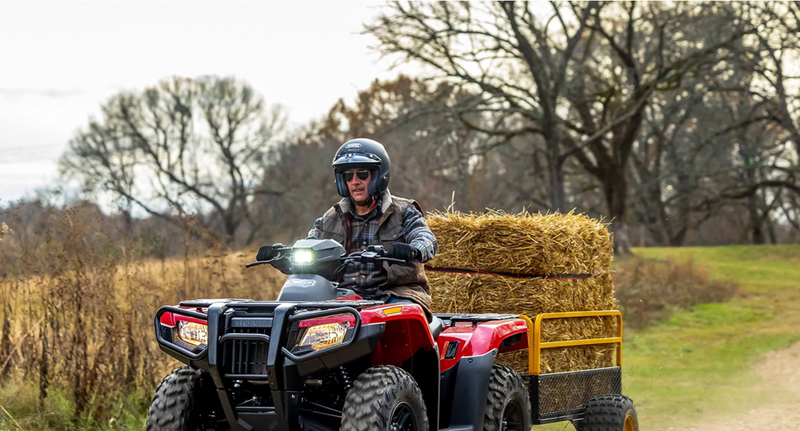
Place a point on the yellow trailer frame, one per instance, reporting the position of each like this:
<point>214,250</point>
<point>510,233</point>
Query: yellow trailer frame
<point>535,345</point>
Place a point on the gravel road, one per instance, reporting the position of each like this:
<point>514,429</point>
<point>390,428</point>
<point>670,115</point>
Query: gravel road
<point>780,370</point>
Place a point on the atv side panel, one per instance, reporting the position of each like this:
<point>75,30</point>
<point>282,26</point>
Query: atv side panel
<point>464,389</point>
<point>465,340</point>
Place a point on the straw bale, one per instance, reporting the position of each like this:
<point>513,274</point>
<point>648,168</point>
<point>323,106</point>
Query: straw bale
<point>551,244</point>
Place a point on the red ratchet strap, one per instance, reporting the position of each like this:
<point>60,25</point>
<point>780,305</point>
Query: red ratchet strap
<point>514,275</point>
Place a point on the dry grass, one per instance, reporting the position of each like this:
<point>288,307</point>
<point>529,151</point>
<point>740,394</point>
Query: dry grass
<point>649,291</point>
<point>76,314</point>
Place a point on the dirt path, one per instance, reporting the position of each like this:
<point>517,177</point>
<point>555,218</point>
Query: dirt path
<point>780,370</point>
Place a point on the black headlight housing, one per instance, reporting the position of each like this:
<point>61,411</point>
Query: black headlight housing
<point>314,256</point>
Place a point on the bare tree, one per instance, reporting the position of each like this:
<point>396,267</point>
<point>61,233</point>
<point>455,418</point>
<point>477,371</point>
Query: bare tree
<point>776,48</point>
<point>501,50</point>
<point>104,158</point>
<point>182,147</point>
<point>579,75</point>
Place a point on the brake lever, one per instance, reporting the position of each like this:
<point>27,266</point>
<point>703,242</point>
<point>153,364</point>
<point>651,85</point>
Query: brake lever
<point>262,262</point>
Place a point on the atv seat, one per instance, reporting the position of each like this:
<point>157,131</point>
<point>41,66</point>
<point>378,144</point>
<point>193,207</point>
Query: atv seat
<point>436,326</point>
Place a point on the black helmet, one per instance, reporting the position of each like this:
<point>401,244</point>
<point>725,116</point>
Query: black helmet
<point>366,153</point>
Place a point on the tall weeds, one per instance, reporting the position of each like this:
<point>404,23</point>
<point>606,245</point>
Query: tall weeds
<point>648,291</point>
<point>77,306</point>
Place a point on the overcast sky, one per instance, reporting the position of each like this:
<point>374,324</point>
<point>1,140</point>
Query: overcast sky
<point>60,61</point>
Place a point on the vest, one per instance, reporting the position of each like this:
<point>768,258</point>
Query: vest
<point>405,281</point>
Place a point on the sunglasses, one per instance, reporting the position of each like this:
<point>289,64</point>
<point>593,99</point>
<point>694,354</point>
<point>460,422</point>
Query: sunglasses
<point>362,174</point>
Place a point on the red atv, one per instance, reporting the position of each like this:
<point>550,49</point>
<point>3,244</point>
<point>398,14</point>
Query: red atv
<point>322,358</point>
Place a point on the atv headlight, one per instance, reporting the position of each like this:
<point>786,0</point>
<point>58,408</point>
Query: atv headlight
<point>193,332</point>
<point>321,337</point>
<point>303,256</point>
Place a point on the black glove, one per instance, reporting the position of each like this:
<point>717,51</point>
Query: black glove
<point>268,252</point>
<point>403,251</point>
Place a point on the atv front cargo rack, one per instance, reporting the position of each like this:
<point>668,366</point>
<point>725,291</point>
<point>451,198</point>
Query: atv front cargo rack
<point>563,396</point>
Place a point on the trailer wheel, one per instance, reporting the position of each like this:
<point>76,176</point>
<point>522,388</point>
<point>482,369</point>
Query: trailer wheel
<point>384,398</point>
<point>508,407</point>
<point>610,413</point>
<point>178,404</point>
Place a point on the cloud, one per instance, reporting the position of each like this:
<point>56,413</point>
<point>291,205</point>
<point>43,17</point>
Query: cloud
<point>52,93</point>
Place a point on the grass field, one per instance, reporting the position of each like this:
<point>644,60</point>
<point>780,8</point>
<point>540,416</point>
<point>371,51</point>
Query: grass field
<point>697,364</point>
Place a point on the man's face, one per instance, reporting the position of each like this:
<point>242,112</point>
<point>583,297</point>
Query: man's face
<point>357,184</point>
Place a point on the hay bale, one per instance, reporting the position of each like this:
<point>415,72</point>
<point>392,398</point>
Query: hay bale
<point>550,244</point>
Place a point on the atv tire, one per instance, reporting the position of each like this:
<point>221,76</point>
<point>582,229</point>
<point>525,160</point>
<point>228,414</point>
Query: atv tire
<point>609,413</point>
<point>508,406</point>
<point>384,398</point>
<point>177,405</point>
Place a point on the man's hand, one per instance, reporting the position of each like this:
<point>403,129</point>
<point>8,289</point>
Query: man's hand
<point>268,252</point>
<point>403,251</point>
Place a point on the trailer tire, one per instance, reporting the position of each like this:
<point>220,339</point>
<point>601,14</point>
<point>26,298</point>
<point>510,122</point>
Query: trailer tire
<point>508,406</point>
<point>610,413</point>
<point>382,399</point>
<point>177,405</point>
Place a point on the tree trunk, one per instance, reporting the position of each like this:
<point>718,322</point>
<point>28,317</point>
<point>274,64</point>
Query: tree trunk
<point>555,173</point>
<point>622,239</point>
<point>755,221</point>
<point>556,186</point>
<point>128,216</point>
<point>231,223</point>
<point>615,189</point>
<point>773,237</point>
<point>680,236</point>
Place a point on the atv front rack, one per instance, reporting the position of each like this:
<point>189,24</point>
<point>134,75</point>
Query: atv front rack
<point>236,343</point>
<point>161,335</point>
<point>563,396</point>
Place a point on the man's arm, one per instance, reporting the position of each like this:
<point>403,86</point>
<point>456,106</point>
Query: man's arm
<point>418,234</point>
<point>316,231</point>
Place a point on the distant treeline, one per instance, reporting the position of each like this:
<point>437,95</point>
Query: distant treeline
<point>678,122</point>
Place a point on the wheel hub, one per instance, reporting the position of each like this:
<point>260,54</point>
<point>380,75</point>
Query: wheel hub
<point>512,417</point>
<point>403,418</point>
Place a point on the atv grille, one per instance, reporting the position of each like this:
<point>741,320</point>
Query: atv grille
<point>562,396</point>
<point>245,356</point>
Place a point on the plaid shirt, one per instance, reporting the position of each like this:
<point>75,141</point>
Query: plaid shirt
<point>362,234</point>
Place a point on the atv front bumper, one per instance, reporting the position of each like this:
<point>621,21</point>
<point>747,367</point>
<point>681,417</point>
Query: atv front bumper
<point>256,342</point>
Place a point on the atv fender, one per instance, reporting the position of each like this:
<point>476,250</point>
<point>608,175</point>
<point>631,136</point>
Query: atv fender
<point>406,332</point>
<point>407,343</point>
<point>460,341</point>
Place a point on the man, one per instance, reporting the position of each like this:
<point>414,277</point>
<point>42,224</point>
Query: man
<point>368,215</point>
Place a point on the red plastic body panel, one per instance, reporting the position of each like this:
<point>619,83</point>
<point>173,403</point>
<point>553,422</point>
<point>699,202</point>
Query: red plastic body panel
<point>480,339</point>
<point>406,332</point>
<point>340,318</point>
<point>349,298</point>
<point>171,320</point>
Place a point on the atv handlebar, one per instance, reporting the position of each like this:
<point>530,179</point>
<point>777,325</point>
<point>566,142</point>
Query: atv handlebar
<point>261,262</point>
<point>373,254</point>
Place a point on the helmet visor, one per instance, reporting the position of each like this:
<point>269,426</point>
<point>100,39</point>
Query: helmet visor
<point>352,160</point>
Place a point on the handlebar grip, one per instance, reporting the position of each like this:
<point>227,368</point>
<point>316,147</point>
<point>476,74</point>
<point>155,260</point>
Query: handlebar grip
<point>262,262</point>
